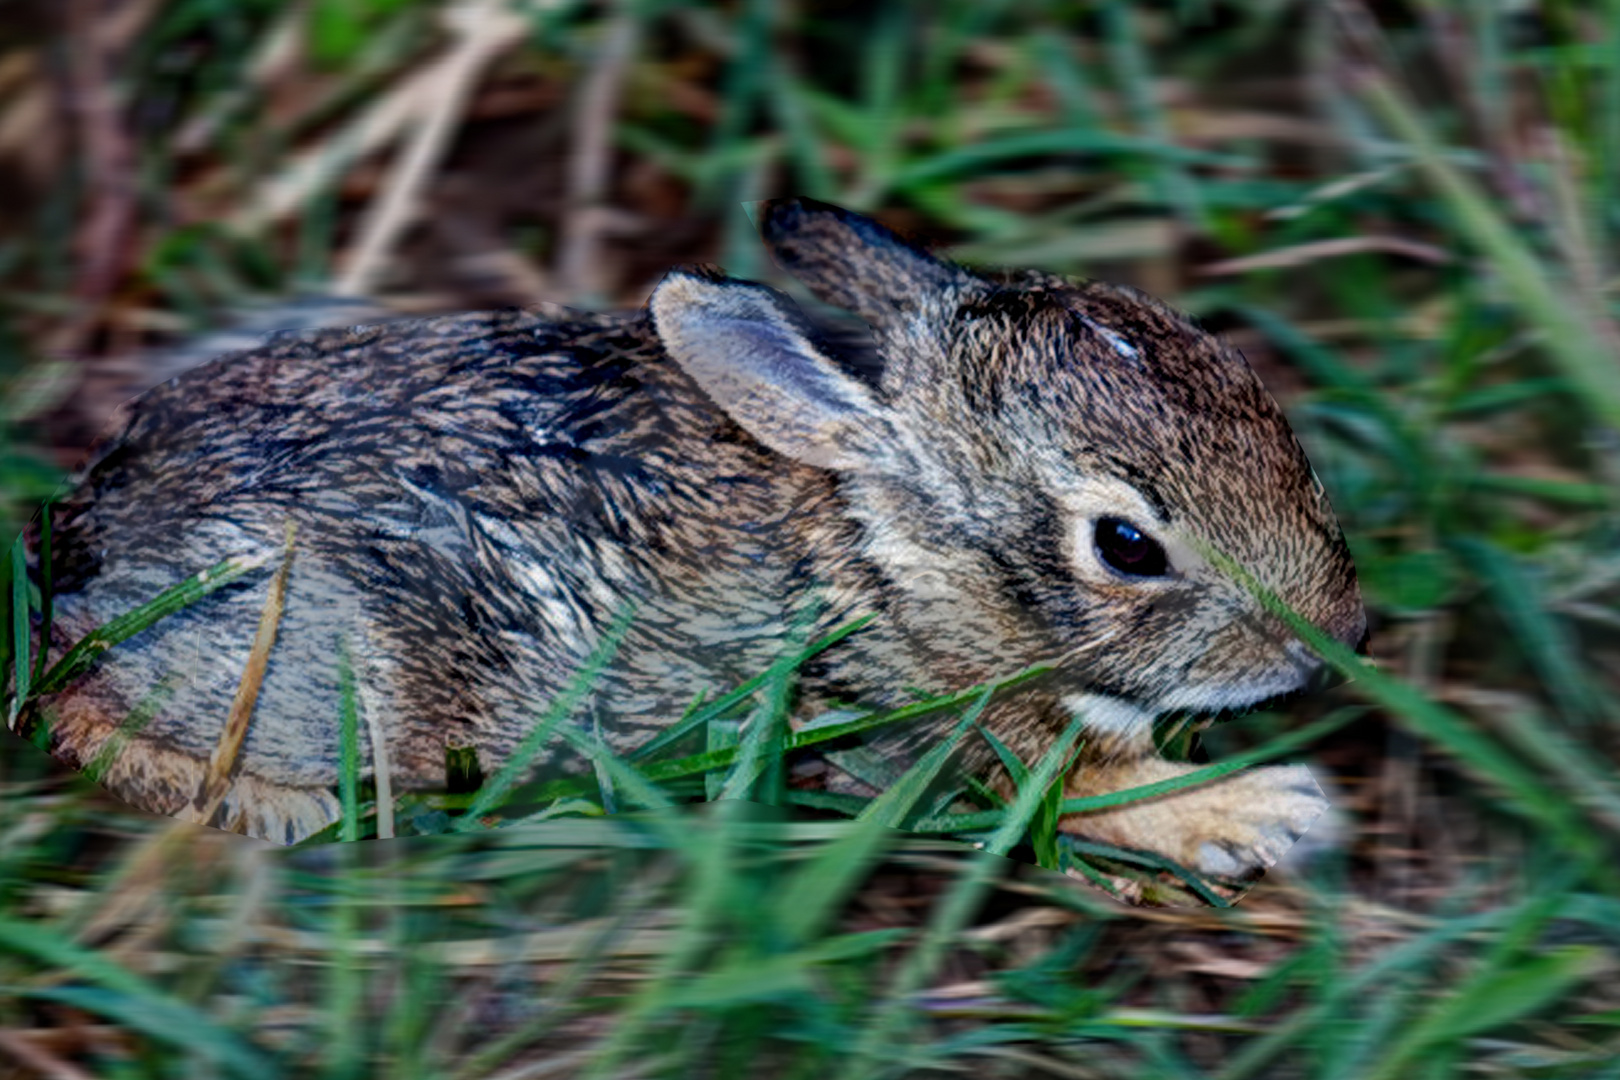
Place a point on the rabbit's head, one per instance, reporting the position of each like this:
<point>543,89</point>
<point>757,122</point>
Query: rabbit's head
<point>1041,470</point>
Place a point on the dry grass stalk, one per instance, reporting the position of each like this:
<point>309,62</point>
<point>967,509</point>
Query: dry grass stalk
<point>216,784</point>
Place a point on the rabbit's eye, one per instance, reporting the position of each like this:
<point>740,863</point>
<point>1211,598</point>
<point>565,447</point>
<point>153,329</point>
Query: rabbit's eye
<point>1128,550</point>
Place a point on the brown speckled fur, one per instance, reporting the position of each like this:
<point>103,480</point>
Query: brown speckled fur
<point>478,495</point>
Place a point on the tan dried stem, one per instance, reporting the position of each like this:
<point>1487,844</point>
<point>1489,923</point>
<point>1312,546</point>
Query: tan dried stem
<point>587,220</point>
<point>217,781</point>
<point>485,29</point>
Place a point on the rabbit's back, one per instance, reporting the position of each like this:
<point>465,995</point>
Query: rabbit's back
<point>475,499</point>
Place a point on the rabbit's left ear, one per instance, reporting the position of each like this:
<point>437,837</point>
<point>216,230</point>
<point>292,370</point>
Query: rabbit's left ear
<point>745,345</point>
<point>854,263</point>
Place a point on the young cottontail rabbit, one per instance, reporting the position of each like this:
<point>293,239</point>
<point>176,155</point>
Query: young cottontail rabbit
<point>1032,477</point>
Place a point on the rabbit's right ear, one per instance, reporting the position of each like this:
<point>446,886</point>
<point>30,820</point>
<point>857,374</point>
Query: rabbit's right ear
<point>854,263</point>
<point>745,345</point>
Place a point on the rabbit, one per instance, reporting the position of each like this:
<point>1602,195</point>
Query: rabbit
<point>1027,469</point>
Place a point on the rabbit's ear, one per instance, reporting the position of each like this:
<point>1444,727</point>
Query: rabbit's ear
<point>854,263</point>
<point>745,345</point>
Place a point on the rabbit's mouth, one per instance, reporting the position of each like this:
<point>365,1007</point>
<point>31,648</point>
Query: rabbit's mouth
<point>1109,714</point>
<point>1233,712</point>
<point>1219,708</point>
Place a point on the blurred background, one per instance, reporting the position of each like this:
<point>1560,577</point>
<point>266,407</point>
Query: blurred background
<point>1404,215</point>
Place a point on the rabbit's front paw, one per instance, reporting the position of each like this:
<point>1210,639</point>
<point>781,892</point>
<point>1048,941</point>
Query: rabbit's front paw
<point>1247,827</point>
<point>1234,828</point>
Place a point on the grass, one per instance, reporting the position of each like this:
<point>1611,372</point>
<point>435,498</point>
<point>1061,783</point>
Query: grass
<point>1460,409</point>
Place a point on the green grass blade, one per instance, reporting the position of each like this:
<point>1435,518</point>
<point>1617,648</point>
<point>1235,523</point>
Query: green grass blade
<point>1130,63</point>
<point>1341,994</point>
<point>165,1021</point>
<point>895,805</point>
<point>809,736</point>
<point>21,630</point>
<point>45,586</point>
<point>1152,861</point>
<point>561,707</point>
<point>564,995</point>
<point>711,760</point>
<point>1492,1000</point>
<point>349,743</point>
<point>882,67</point>
<point>815,179</point>
<point>1488,399</point>
<point>1066,78</point>
<point>820,888</point>
<point>170,600</point>
<point>978,157</point>
<point>145,710</point>
<point>952,913</point>
<point>697,718</point>
<point>1009,760</point>
<point>343,1003</point>
<point>750,979</point>
<point>1276,748</point>
<point>741,86</point>
<point>760,751</point>
<point>1584,351</point>
<point>128,998</point>
<point>1540,740</point>
<point>710,856</point>
<point>1547,643</point>
<point>722,735</point>
<point>1561,492</point>
<point>637,788</point>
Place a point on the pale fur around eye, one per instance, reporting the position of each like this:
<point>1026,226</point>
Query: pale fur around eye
<point>1098,500</point>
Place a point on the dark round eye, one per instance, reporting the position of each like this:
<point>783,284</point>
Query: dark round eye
<point>1128,550</point>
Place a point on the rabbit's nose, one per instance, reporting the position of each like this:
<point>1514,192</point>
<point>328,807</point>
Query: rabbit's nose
<point>1316,674</point>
